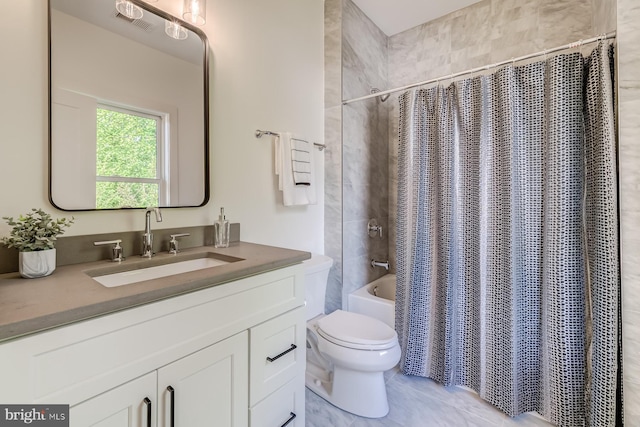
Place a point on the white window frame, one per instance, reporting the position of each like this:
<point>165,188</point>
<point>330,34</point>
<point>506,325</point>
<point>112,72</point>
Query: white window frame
<point>162,150</point>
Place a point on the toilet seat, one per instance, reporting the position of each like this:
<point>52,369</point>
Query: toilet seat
<point>356,331</point>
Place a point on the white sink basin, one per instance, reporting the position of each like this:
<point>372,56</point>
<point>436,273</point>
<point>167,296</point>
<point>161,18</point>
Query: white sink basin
<point>149,273</point>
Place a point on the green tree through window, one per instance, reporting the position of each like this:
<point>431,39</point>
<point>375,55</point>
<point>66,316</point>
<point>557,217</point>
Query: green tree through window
<point>127,159</point>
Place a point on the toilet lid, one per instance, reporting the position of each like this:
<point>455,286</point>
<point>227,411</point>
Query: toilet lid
<point>356,330</point>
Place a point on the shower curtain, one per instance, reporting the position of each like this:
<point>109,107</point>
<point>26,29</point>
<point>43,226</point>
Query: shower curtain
<point>507,247</point>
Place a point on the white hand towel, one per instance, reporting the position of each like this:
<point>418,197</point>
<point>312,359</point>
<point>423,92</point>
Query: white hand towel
<point>292,194</point>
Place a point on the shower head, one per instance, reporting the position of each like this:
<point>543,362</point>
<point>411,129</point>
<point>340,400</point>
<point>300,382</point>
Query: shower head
<point>382,97</point>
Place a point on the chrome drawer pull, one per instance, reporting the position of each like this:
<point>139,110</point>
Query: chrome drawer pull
<point>293,347</point>
<point>289,420</point>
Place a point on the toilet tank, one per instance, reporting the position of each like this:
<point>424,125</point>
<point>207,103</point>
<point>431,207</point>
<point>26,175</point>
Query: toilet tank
<point>316,273</point>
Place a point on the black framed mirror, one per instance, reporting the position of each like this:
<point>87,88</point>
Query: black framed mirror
<point>128,108</point>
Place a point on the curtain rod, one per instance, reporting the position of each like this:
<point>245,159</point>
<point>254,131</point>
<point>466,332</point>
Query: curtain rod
<point>579,43</point>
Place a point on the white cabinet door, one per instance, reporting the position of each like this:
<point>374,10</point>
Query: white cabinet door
<point>129,405</point>
<point>207,388</point>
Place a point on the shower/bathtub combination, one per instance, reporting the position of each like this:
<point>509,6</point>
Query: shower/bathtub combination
<point>376,299</point>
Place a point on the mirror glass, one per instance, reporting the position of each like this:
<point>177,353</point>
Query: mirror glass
<point>128,108</point>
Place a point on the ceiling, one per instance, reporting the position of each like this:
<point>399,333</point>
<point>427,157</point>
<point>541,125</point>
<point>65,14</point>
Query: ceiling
<point>395,16</point>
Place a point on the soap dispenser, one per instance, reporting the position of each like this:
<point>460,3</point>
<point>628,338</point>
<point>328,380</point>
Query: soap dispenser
<point>221,231</point>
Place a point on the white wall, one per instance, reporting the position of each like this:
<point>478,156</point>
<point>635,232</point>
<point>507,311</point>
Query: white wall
<point>268,60</point>
<point>267,72</point>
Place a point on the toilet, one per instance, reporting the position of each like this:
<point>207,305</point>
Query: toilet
<point>347,353</point>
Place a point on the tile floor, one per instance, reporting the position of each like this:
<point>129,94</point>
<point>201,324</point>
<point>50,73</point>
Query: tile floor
<point>419,402</point>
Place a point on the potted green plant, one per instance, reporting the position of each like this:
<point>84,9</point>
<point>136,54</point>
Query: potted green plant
<point>34,235</point>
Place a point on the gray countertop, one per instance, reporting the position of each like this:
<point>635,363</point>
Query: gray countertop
<point>70,294</point>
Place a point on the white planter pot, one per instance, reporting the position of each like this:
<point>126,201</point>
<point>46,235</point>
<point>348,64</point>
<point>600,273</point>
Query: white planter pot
<point>37,263</point>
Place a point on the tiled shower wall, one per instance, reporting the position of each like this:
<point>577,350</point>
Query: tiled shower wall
<point>356,181</point>
<point>333,152</point>
<point>365,145</point>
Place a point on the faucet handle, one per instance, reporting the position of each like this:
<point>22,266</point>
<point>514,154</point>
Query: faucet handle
<point>116,251</point>
<point>373,226</point>
<point>173,243</point>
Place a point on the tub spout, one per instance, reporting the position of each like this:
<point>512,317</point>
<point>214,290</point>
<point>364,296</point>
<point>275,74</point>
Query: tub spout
<point>384,264</point>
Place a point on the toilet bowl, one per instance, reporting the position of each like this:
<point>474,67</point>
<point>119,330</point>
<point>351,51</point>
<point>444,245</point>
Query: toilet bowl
<point>347,353</point>
<point>350,354</point>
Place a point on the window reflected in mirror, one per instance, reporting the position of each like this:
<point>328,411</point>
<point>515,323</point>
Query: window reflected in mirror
<point>129,153</point>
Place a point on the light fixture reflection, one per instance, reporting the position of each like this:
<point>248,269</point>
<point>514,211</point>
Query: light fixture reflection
<point>128,9</point>
<point>195,11</point>
<point>175,30</point>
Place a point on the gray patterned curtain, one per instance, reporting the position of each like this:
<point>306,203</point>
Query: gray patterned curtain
<point>507,243</point>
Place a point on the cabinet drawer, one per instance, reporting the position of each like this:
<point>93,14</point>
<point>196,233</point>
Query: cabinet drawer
<point>274,361</point>
<point>284,407</point>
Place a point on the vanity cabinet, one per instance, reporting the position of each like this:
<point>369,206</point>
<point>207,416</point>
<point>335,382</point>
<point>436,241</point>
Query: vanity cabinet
<point>229,355</point>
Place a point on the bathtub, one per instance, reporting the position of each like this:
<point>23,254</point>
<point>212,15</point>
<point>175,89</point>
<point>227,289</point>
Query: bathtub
<point>376,299</point>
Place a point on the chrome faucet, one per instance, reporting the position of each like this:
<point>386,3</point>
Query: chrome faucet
<point>147,237</point>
